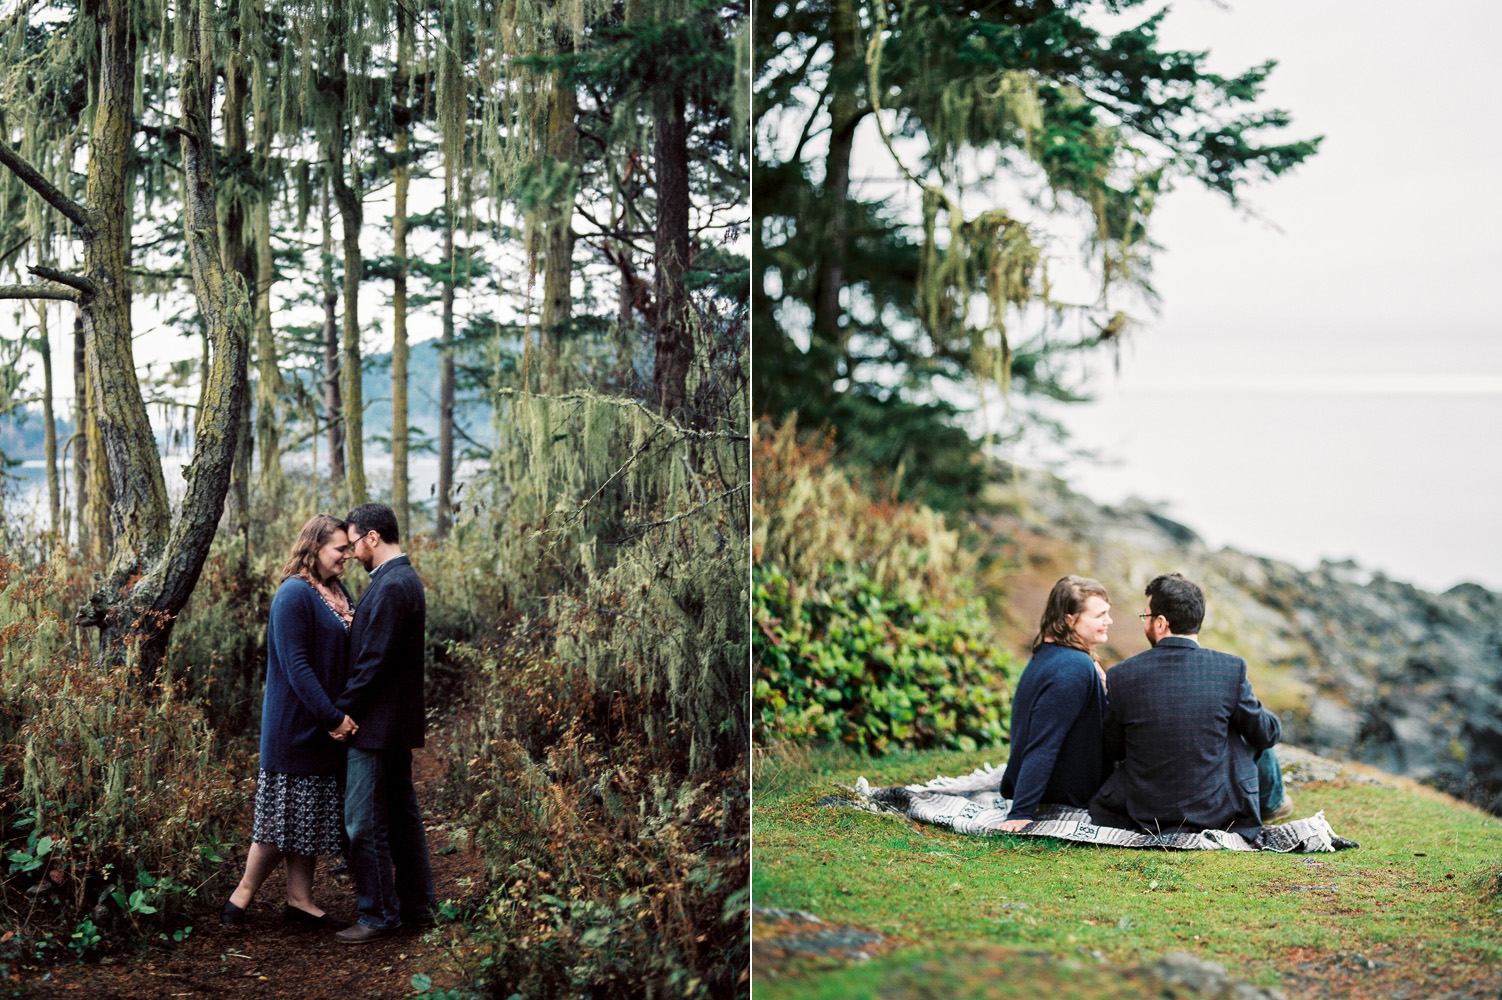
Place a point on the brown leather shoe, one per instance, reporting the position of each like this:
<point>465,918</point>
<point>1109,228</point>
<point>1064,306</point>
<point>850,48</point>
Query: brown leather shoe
<point>1281,813</point>
<point>360,934</point>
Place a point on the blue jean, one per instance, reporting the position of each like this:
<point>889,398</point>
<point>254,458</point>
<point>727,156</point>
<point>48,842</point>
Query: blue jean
<point>1269,781</point>
<point>388,849</point>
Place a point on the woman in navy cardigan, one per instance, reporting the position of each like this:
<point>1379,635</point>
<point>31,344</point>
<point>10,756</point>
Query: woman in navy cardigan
<point>1060,706</point>
<point>299,808</point>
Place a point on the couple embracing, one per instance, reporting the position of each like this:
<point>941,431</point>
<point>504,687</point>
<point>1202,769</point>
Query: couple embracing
<point>1175,742</point>
<point>343,712</point>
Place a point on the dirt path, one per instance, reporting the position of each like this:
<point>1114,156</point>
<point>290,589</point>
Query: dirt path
<point>266,958</point>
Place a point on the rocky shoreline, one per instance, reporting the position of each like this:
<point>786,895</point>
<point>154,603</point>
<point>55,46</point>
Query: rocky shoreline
<point>1358,666</point>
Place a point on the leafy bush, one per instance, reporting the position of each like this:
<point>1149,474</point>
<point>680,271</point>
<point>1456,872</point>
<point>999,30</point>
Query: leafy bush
<point>113,803</point>
<point>612,876</point>
<point>866,630</point>
<point>858,665</point>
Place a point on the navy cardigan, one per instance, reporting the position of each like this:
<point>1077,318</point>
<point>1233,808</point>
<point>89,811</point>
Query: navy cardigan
<point>1057,713</point>
<point>307,657</point>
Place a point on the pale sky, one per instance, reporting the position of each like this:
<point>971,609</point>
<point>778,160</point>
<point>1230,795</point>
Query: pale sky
<point>1323,373</point>
<point>1334,381</point>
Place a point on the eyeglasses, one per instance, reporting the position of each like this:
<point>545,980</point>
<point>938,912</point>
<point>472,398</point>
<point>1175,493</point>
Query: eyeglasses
<point>1149,614</point>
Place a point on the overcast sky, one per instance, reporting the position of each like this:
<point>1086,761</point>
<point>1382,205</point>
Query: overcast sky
<point>1325,368</point>
<point>1333,381</point>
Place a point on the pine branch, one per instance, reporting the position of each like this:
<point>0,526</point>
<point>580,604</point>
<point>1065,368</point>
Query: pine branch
<point>9,253</point>
<point>672,425</point>
<point>32,179</point>
<point>39,292</point>
<point>642,529</point>
<point>77,281</point>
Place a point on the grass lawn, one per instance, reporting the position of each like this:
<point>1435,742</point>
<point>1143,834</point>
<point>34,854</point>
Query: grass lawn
<point>993,917</point>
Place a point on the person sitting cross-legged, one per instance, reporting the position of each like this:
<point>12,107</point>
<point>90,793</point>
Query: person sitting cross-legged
<point>1187,729</point>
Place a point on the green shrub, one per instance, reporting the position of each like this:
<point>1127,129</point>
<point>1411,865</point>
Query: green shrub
<point>113,801</point>
<point>858,665</point>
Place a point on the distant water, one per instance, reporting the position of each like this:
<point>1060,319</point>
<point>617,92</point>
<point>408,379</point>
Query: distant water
<point>1405,483</point>
<point>28,497</point>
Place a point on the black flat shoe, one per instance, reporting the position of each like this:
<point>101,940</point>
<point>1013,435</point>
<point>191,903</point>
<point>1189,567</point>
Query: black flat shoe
<point>292,915</point>
<point>231,914</point>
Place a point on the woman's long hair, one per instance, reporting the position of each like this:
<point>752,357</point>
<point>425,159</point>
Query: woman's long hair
<point>1067,598</point>
<point>314,535</point>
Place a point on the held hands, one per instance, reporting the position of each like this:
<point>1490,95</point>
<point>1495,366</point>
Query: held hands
<point>346,729</point>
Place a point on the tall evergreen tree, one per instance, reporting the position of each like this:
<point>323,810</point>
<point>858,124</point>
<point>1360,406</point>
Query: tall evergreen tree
<point>861,314</point>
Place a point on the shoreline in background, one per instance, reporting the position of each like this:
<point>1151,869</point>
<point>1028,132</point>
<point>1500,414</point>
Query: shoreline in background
<point>1392,482</point>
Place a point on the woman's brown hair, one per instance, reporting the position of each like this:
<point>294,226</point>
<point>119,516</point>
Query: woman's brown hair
<point>314,535</point>
<point>1067,599</point>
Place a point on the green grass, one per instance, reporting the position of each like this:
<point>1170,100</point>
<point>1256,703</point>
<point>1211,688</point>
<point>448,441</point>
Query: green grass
<point>1417,893</point>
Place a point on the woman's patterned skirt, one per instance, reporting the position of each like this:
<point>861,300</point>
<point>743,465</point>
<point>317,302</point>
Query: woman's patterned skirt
<point>299,813</point>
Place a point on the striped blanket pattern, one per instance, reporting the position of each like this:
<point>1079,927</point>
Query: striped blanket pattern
<point>972,804</point>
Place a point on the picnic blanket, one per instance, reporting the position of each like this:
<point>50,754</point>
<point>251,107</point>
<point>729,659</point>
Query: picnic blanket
<point>973,804</point>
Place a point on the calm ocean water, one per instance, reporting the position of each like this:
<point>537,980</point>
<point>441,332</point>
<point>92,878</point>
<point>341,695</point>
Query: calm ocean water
<point>1402,483</point>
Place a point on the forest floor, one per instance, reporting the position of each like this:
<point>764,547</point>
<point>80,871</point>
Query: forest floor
<point>856,905</point>
<point>264,958</point>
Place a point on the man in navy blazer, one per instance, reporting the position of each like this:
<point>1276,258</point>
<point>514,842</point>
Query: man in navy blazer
<point>388,848</point>
<point>1186,727</point>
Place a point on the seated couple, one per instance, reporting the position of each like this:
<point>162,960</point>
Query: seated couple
<point>1194,745</point>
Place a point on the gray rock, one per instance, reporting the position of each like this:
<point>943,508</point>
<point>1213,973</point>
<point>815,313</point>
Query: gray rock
<point>1361,666</point>
<point>1207,978</point>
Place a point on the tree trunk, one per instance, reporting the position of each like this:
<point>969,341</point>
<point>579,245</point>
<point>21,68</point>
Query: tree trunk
<point>558,274</point>
<point>269,380</point>
<point>156,561</point>
<point>846,65</point>
<point>399,353</point>
<point>237,259</point>
<point>351,215</point>
<point>675,333</point>
<point>49,432</point>
<point>99,498</point>
<point>83,418</point>
<point>625,323</point>
<point>445,513</point>
<point>333,406</point>
<point>225,308</point>
<point>139,514</point>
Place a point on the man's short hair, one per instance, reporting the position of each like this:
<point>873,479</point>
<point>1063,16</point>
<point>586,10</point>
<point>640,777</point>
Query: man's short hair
<point>375,517</point>
<point>1178,599</point>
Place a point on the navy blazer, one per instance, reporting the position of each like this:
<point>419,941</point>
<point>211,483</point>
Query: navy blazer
<point>386,649</point>
<point>1056,722</point>
<point>306,647</point>
<point>1185,723</point>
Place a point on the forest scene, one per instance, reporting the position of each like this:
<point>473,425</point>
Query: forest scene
<point>958,237</point>
<point>484,263</point>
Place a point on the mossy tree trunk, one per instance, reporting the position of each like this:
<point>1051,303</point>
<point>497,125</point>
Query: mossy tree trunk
<point>351,217</point>
<point>156,560</point>
<point>402,116</point>
<point>845,113</point>
<point>49,432</point>
<point>558,253</point>
<point>675,333</point>
<point>269,385</point>
<point>238,259</point>
<point>333,403</point>
<point>445,509</point>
